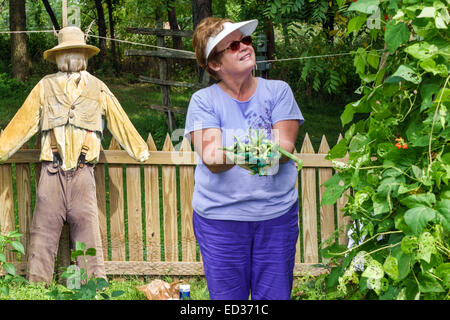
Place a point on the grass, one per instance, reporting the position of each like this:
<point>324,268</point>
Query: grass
<point>127,284</point>
<point>306,287</point>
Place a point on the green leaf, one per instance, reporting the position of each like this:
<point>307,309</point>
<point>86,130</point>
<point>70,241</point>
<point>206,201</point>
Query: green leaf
<point>422,50</point>
<point>364,6</point>
<point>407,188</point>
<point>104,295</point>
<point>2,257</point>
<point>14,234</point>
<point>10,268</point>
<point>426,246</point>
<point>76,253</point>
<point>443,272</point>
<point>427,90</point>
<point>429,65</point>
<point>418,217</point>
<point>91,252</point>
<point>373,59</point>
<point>332,250</point>
<point>347,115</point>
<point>442,19</point>
<point>403,262</point>
<point>360,61</point>
<point>428,283</point>
<point>427,12</point>
<point>373,270</point>
<point>407,74</point>
<point>356,23</point>
<point>333,191</point>
<point>396,35</point>
<point>17,245</point>
<point>80,246</point>
<point>446,158</point>
<point>4,290</point>
<point>117,293</point>
<point>420,199</point>
<point>358,143</point>
<point>339,150</point>
<point>443,213</point>
<point>390,266</point>
<point>409,244</point>
<point>102,284</point>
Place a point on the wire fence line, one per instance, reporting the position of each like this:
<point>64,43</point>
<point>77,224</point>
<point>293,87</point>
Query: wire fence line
<point>186,51</point>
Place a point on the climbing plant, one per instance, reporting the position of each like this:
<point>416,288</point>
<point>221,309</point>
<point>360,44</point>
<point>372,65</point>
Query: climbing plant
<point>398,166</point>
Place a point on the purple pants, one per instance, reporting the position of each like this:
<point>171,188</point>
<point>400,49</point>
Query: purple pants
<point>240,257</point>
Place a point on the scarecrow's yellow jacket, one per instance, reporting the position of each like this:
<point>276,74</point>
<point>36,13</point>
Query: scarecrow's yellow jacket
<point>71,105</point>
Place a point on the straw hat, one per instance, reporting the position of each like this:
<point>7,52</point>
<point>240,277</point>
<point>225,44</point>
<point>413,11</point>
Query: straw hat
<point>245,27</point>
<point>70,38</point>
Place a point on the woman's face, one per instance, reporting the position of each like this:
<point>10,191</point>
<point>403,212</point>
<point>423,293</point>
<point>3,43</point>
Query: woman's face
<point>239,61</point>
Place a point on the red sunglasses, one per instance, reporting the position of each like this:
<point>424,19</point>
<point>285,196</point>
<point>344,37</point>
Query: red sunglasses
<point>234,46</point>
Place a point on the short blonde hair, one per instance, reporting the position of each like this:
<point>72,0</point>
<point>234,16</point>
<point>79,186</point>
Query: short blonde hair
<point>71,60</point>
<point>208,27</point>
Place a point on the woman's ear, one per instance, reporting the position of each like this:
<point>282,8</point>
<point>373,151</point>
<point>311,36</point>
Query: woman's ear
<point>215,66</point>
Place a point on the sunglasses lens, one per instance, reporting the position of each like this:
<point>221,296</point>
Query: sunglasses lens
<point>247,40</point>
<point>235,45</point>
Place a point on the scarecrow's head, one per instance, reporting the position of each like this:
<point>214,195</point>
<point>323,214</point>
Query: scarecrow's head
<point>72,52</point>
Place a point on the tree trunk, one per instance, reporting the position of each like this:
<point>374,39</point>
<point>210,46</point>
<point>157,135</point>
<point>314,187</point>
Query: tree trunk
<point>111,32</point>
<point>200,10</point>
<point>50,12</point>
<point>268,29</point>
<point>172,16</point>
<point>101,30</point>
<point>20,60</point>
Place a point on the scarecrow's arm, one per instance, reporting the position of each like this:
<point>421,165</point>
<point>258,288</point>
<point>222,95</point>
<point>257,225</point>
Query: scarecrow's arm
<point>22,127</point>
<point>123,130</point>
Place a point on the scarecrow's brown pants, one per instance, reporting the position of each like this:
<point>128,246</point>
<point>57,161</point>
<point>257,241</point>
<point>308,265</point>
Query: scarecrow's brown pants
<point>64,196</point>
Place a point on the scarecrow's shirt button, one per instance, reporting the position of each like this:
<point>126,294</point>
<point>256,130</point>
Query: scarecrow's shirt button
<point>72,107</point>
<point>71,115</point>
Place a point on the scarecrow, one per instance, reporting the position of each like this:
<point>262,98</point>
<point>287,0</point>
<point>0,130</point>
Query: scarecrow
<point>69,109</point>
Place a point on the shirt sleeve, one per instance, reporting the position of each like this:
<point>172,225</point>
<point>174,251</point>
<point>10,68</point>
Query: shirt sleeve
<point>200,115</point>
<point>285,107</point>
<point>22,126</point>
<point>122,129</point>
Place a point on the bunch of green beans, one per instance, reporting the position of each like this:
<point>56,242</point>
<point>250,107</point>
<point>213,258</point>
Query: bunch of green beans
<point>259,153</point>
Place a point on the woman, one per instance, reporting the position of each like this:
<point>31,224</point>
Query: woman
<point>246,225</point>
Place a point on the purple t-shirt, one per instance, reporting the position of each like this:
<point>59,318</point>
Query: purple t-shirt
<point>236,194</point>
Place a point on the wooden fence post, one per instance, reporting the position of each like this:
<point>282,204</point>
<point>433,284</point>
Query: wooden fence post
<point>151,193</point>
<point>134,207</point>
<point>24,206</point>
<point>169,187</point>
<point>99,174</point>
<point>186,191</point>
<point>116,208</point>
<point>7,223</point>
<point>326,211</point>
<point>309,217</point>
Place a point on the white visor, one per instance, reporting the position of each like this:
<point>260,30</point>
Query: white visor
<point>245,27</point>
